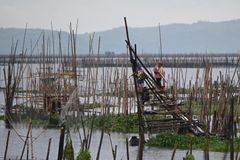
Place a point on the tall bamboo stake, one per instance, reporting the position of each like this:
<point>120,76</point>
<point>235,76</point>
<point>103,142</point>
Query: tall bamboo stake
<point>141,127</point>
<point>114,151</point>
<point>100,145</point>
<point>6,148</point>
<point>61,143</point>
<point>160,40</point>
<point>29,128</point>
<point>127,149</point>
<point>31,142</point>
<point>231,123</point>
<point>49,146</point>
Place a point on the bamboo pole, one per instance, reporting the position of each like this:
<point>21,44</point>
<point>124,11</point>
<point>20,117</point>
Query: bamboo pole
<point>48,150</point>
<point>109,89</point>
<point>90,134</point>
<point>103,92</point>
<point>174,151</point>
<point>119,94</point>
<point>53,47</point>
<point>28,144</point>
<point>231,123</point>
<point>83,127</point>
<point>160,40</point>
<point>31,142</point>
<point>100,145</point>
<point>95,86</point>
<point>25,142</point>
<point>127,148</point>
<point>126,88</point>
<point>141,127</point>
<point>6,148</point>
<point>114,151</point>
<point>61,143</point>
<point>190,112</point>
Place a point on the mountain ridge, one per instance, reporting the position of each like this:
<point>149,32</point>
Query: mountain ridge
<point>197,37</point>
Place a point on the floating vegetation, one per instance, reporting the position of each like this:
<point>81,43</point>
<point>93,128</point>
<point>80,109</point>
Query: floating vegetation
<point>170,139</point>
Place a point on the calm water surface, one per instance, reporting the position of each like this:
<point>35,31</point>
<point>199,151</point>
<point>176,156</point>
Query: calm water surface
<point>42,136</point>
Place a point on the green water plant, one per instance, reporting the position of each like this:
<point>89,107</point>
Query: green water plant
<point>68,150</point>
<point>169,139</point>
<point>84,154</point>
<point>189,157</point>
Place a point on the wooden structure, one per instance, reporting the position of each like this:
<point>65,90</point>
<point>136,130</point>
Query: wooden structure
<point>57,80</point>
<point>162,104</point>
<point>161,101</point>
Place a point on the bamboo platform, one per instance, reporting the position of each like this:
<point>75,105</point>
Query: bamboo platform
<point>175,119</point>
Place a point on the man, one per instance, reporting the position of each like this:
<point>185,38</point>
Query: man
<point>158,74</point>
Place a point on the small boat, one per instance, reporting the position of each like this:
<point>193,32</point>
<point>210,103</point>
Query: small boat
<point>133,141</point>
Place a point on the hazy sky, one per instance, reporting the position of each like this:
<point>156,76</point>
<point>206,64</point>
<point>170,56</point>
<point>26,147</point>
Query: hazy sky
<point>98,15</point>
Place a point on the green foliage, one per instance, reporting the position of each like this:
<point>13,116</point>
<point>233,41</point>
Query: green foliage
<point>68,150</point>
<point>54,119</point>
<point>197,105</point>
<point>189,157</point>
<point>84,154</point>
<point>168,140</point>
<point>124,123</point>
<point>215,144</point>
<point>19,106</point>
<point>237,140</point>
<point>116,123</point>
<point>38,122</point>
<point>1,117</point>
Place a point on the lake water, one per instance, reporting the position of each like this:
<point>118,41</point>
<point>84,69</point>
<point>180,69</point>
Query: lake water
<point>40,145</point>
<point>150,153</point>
<point>185,76</point>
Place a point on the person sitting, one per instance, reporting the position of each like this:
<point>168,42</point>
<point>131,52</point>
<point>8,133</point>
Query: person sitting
<point>158,75</point>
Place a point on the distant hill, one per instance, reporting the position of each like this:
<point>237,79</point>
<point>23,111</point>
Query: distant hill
<point>210,37</point>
